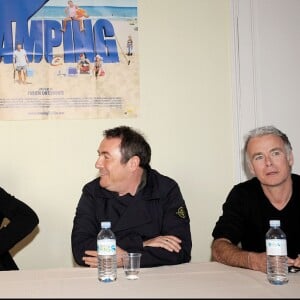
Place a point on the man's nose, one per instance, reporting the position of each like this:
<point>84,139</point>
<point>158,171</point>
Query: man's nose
<point>99,163</point>
<point>268,161</point>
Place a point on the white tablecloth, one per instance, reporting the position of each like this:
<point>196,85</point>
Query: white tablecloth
<point>192,280</point>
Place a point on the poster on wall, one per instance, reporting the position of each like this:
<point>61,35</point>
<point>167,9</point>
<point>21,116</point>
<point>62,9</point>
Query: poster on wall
<point>64,59</point>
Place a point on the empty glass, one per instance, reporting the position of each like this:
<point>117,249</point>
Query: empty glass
<point>131,265</point>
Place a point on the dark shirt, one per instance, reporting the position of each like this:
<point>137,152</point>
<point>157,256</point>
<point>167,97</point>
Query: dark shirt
<point>22,220</point>
<point>246,215</point>
<point>158,208</point>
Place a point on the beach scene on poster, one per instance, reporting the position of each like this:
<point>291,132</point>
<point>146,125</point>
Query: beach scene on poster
<point>63,59</point>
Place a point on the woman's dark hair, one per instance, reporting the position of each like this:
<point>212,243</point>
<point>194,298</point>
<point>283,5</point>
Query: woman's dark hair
<point>132,143</point>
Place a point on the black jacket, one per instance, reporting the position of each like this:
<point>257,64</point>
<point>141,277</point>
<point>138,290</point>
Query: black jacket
<point>22,220</point>
<point>157,209</point>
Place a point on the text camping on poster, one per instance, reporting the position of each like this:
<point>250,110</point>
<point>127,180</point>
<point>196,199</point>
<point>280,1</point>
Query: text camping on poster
<point>64,59</point>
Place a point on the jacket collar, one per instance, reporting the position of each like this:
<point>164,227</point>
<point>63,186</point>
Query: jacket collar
<point>147,188</point>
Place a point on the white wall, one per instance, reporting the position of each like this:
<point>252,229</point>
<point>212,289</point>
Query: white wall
<point>186,114</point>
<point>266,70</point>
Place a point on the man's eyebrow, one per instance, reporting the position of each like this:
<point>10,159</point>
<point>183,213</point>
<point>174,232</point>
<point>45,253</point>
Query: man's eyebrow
<point>255,154</point>
<point>276,149</point>
<point>103,152</point>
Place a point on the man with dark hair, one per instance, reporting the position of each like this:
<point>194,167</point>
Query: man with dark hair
<point>146,209</point>
<point>19,221</point>
<point>273,193</point>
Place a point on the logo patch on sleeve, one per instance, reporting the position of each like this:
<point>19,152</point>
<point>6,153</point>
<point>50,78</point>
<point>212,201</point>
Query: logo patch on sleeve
<point>181,213</point>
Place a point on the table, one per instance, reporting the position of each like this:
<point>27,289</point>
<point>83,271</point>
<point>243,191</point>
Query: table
<point>191,280</point>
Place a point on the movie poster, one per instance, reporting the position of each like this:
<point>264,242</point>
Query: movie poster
<point>64,59</point>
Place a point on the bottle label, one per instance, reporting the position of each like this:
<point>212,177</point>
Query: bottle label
<point>106,247</point>
<point>276,247</point>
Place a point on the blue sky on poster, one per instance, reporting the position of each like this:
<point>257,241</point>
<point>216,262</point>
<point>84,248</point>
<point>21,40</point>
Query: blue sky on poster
<point>120,3</point>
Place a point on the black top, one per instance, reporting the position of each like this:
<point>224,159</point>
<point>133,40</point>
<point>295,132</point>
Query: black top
<point>157,209</point>
<point>22,221</point>
<point>246,215</point>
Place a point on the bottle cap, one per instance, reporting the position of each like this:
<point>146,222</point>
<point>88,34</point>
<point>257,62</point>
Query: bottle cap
<point>105,225</point>
<point>274,223</point>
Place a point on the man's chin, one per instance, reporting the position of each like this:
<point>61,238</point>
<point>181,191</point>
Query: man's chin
<point>104,184</point>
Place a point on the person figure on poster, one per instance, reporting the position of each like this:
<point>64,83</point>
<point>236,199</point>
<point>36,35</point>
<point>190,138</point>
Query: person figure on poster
<point>83,64</point>
<point>146,209</point>
<point>273,193</point>
<point>129,45</point>
<point>20,63</point>
<point>98,66</point>
<point>20,221</point>
<point>73,12</point>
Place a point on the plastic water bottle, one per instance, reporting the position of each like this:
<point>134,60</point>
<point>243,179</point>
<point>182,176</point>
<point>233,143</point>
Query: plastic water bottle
<point>107,256</point>
<point>277,265</point>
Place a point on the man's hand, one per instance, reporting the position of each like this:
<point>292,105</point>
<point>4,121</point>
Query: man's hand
<point>294,262</point>
<point>120,253</point>
<point>258,261</point>
<point>91,258</point>
<point>168,242</point>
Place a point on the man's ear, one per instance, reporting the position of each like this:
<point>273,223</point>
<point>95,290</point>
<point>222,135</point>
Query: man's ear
<point>291,159</point>
<point>134,162</point>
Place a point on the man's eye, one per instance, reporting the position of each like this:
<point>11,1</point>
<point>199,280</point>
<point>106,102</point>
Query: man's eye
<point>258,157</point>
<point>276,153</point>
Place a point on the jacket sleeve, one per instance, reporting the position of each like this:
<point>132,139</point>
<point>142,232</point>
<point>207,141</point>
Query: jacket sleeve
<point>231,224</point>
<point>22,220</point>
<point>85,229</point>
<point>175,221</point>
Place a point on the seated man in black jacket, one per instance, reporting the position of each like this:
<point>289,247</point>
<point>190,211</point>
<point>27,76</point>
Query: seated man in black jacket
<point>22,220</point>
<point>146,209</point>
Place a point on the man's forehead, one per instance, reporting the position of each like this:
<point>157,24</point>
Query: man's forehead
<point>264,142</point>
<point>109,143</point>
<point>266,137</point>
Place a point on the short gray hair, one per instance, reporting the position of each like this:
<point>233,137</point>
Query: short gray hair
<point>265,130</point>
